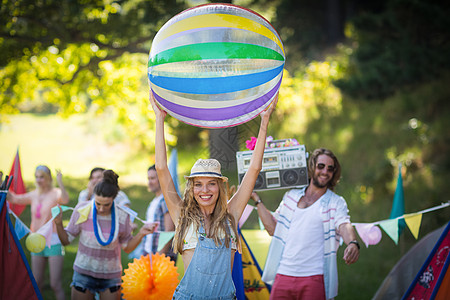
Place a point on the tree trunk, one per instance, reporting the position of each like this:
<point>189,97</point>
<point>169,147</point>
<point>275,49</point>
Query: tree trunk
<point>223,145</point>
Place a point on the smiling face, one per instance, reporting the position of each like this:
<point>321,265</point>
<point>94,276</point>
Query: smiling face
<point>324,171</point>
<point>103,205</point>
<point>153,182</point>
<point>206,191</point>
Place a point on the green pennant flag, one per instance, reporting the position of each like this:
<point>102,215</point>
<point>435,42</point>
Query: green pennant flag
<point>391,228</point>
<point>164,238</point>
<point>398,206</point>
<point>55,210</point>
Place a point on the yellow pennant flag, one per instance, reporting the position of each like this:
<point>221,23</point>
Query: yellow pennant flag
<point>413,221</point>
<point>84,214</point>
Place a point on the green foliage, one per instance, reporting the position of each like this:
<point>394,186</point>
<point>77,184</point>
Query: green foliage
<point>81,56</point>
<point>404,44</point>
<point>93,63</point>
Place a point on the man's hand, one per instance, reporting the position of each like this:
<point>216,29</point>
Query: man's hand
<point>351,254</point>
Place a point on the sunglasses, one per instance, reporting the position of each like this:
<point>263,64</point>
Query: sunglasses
<point>321,166</point>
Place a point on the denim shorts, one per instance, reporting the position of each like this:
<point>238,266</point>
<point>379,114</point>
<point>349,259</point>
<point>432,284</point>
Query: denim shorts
<point>82,282</point>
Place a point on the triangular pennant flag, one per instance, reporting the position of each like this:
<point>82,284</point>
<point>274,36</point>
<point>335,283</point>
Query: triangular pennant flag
<point>21,229</point>
<point>17,185</point>
<point>84,214</point>
<point>398,205</point>
<point>129,211</point>
<point>391,228</point>
<point>164,238</point>
<point>47,231</point>
<point>413,221</point>
<point>369,233</point>
<point>247,211</point>
<point>55,210</point>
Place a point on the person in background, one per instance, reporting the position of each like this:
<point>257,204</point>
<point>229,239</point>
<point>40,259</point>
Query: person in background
<point>94,177</point>
<point>157,211</point>
<point>104,229</point>
<point>306,230</point>
<point>206,219</point>
<point>42,199</point>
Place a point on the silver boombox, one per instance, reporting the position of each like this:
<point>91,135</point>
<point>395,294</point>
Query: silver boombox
<point>283,167</point>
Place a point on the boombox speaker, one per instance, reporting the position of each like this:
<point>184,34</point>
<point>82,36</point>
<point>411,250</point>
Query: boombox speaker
<point>282,168</point>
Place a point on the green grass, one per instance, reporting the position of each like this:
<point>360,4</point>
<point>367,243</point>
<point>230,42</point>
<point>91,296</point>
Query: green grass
<point>364,277</point>
<point>66,144</point>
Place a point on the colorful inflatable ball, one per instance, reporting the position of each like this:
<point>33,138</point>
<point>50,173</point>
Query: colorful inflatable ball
<point>216,65</point>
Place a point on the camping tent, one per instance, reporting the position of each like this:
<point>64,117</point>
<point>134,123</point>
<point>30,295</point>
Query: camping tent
<point>247,275</point>
<point>433,279</point>
<point>404,272</point>
<point>16,279</point>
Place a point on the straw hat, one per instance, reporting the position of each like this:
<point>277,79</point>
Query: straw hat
<point>206,168</point>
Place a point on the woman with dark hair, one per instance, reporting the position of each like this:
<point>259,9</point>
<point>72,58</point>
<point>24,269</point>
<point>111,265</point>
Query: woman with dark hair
<point>206,219</point>
<point>42,199</point>
<point>104,229</point>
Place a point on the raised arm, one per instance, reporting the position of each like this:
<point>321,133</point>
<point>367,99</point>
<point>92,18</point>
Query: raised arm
<point>64,198</point>
<point>240,199</point>
<point>264,214</point>
<point>171,196</point>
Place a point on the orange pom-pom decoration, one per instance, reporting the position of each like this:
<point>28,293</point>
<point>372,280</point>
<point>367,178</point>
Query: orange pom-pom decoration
<point>144,282</point>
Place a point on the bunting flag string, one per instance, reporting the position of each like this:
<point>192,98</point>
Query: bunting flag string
<point>390,226</point>
<point>370,233</point>
<point>22,230</point>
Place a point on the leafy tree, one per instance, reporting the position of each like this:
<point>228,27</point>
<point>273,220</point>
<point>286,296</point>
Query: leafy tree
<point>404,43</point>
<point>64,50</point>
<point>81,56</point>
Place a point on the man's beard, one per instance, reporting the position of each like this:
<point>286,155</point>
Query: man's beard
<point>316,183</point>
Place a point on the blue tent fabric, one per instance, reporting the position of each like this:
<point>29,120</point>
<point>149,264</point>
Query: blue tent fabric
<point>238,276</point>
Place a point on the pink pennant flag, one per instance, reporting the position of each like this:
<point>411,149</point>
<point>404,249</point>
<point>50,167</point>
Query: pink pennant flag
<point>247,211</point>
<point>369,233</point>
<point>47,231</point>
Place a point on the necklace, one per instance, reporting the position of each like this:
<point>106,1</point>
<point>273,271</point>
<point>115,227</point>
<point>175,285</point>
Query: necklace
<point>96,226</point>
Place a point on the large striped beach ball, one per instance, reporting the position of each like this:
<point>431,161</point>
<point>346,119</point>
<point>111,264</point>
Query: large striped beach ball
<point>216,65</point>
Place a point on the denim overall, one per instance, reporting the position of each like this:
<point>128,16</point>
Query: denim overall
<point>208,276</point>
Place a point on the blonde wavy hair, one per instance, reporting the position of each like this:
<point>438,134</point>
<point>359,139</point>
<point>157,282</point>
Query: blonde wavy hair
<point>191,214</point>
